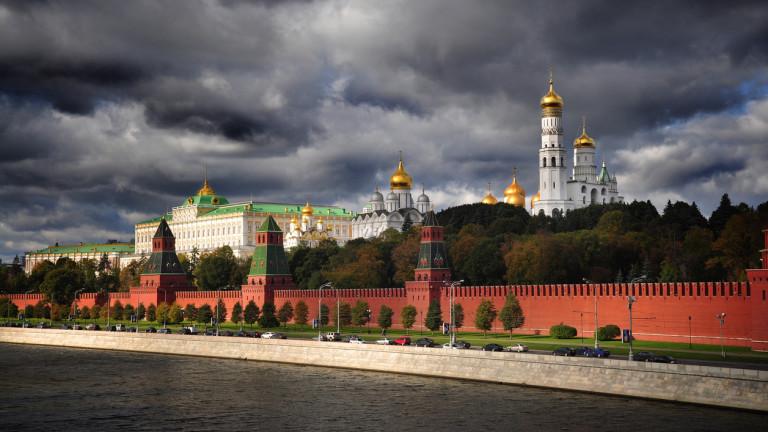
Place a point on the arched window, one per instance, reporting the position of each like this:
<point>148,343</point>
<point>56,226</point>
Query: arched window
<point>554,161</point>
<point>562,162</point>
<point>553,185</point>
<point>583,189</point>
<point>602,192</point>
<point>544,162</point>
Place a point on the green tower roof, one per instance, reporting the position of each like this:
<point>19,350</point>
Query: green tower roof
<point>269,225</point>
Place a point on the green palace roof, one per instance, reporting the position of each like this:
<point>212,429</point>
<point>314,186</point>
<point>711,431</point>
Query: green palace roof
<point>88,248</point>
<point>258,207</point>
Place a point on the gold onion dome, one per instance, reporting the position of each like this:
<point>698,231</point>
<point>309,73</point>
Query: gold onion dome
<point>400,178</point>
<point>551,99</point>
<point>489,198</point>
<point>584,140</point>
<point>514,193</point>
<point>307,210</point>
<point>535,199</point>
<point>206,189</point>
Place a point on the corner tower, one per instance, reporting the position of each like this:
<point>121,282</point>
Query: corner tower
<point>553,174</point>
<point>432,266</point>
<point>163,274</point>
<point>269,266</point>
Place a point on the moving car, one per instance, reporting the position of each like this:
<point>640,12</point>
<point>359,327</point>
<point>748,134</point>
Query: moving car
<point>564,351</point>
<point>517,348</point>
<point>457,345</point>
<point>385,341</point>
<point>493,347</point>
<point>403,340</point>
<point>425,342</point>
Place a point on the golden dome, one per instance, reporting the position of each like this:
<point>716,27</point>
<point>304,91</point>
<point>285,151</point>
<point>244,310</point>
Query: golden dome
<point>551,99</point>
<point>535,199</point>
<point>206,189</point>
<point>514,194</point>
<point>584,140</point>
<point>489,198</point>
<point>400,178</point>
<point>294,219</point>
<point>307,210</point>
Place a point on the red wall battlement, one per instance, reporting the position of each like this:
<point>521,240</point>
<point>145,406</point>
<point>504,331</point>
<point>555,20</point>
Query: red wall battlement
<point>395,298</point>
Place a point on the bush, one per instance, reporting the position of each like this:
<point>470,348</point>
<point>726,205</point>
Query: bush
<point>609,332</point>
<point>562,331</point>
<point>85,312</point>
<point>96,311</point>
<point>204,313</point>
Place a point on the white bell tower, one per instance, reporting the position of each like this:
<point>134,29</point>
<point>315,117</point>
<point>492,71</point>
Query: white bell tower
<point>553,173</point>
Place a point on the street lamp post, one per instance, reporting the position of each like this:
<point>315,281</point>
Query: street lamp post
<point>320,310</point>
<point>453,315</point>
<point>581,315</point>
<point>594,295</point>
<point>721,317</point>
<point>630,301</point>
<point>690,336</point>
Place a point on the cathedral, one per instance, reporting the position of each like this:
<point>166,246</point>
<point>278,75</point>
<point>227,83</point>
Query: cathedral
<point>396,211</point>
<point>559,190</point>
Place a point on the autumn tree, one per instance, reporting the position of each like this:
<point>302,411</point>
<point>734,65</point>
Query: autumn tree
<point>485,315</point>
<point>360,313</point>
<point>408,316</point>
<point>511,315</point>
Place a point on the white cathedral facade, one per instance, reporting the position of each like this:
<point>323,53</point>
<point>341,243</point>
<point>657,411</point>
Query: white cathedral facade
<point>559,189</point>
<point>397,210</point>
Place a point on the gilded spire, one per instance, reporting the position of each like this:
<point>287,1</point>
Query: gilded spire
<point>400,179</point>
<point>206,189</point>
<point>551,103</point>
<point>514,193</point>
<point>584,140</point>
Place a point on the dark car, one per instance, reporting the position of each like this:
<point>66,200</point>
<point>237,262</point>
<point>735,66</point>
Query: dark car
<point>254,334</point>
<point>241,334</point>
<point>564,351</point>
<point>43,325</point>
<point>132,330</point>
<point>463,344</point>
<point>493,347</point>
<point>425,342</point>
<point>643,356</point>
<point>65,327</point>
<point>403,340</point>
<point>597,352</point>
<point>226,333</point>
<point>663,359</point>
<point>210,332</point>
<point>580,351</point>
<point>165,330</point>
<point>111,328</point>
<point>93,327</point>
<point>150,330</point>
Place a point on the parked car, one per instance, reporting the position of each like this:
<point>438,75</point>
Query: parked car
<point>564,351</point>
<point>254,334</point>
<point>165,330</point>
<point>120,327</point>
<point>456,345</point>
<point>77,327</point>
<point>425,342</point>
<point>356,340</point>
<point>273,335</point>
<point>191,330</point>
<point>493,347</point>
<point>333,336</point>
<point>580,351</point>
<point>241,333</point>
<point>111,328</point>
<point>92,327</point>
<point>319,338</point>
<point>643,356</point>
<point>43,325</point>
<point>132,329</point>
<point>385,341</point>
<point>150,330</point>
<point>65,327</point>
<point>517,348</point>
<point>663,359</point>
<point>26,325</point>
<point>597,352</point>
<point>229,333</point>
<point>463,344</point>
<point>210,331</point>
<point>403,340</point>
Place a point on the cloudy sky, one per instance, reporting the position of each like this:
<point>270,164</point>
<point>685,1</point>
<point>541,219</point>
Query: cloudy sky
<point>109,109</point>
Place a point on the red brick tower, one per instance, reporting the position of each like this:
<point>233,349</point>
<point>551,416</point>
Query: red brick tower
<point>432,268</point>
<point>269,266</point>
<point>758,281</point>
<point>163,274</point>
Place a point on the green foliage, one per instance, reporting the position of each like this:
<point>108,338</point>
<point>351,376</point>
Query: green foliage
<point>268,319</point>
<point>324,312</point>
<point>608,332</point>
<point>344,314</point>
<point>360,313</point>
<point>285,313</point>
<point>60,284</point>
<point>434,318</point>
<point>385,317</point>
<point>95,312</point>
<point>204,313</point>
<point>301,313</point>
<point>220,269</point>
<point>116,311</point>
<point>221,311</point>
<point>151,312</point>
<point>486,313</point>
<point>174,314</point>
<point>237,313</point>
<point>562,331</point>
<point>251,314</point>
<point>458,315</point>
<point>8,308</point>
<point>511,315</point>
<point>408,316</point>
<point>162,314</point>
<point>141,311</point>
<point>190,312</point>
<point>42,310</point>
<point>29,311</point>
<point>85,312</point>
<point>128,311</point>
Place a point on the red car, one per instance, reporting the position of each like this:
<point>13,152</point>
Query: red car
<point>403,340</point>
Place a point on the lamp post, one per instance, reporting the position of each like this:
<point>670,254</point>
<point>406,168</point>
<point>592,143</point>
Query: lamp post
<point>721,317</point>
<point>581,316</point>
<point>690,336</point>
<point>368,319</point>
<point>453,316</point>
<point>594,295</point>
<point>320,310</point>
<point>630,301</point>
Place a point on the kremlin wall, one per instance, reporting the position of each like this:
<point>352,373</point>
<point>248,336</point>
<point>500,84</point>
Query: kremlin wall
<point>675,312</point>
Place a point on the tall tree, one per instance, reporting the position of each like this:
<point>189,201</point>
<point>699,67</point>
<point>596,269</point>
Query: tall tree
<point>458,315</point>
<point>385,317</point>
<point>174,314</point>
<point>360,313</point>
<point>434,318</point>
<point>268,319</point>
<point>485,315</point>
<point>301,314</point>
<point>190,312</point>
<point>251,314</point>
<point>221,311</point>
<point>237,313</point>
<point>408,316</point>
<point>722,214</point>
<point>204,313</point>
<point>511,315</point>
<point>285,313</point>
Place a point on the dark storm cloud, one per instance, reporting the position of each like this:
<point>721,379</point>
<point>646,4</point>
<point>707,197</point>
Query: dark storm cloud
<point>109,109</point>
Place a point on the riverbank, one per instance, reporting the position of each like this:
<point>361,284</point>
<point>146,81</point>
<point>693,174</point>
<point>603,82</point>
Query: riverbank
<point>723,387</point>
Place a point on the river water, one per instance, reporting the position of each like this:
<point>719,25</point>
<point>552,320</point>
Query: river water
<point>63,389</point>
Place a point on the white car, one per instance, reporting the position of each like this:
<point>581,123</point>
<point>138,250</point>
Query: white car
<point>356,340</point>
<point>448,345</point>
<point>385,341</point>
<point>268,335</point>
<point>517,348</point>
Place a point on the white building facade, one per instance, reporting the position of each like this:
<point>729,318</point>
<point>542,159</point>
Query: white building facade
<point>559,189</point>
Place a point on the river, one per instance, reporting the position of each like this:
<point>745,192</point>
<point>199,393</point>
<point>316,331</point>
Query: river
<point>63,389</point>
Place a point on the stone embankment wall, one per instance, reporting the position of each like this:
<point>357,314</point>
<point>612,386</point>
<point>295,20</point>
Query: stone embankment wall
<point>723,387</point>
